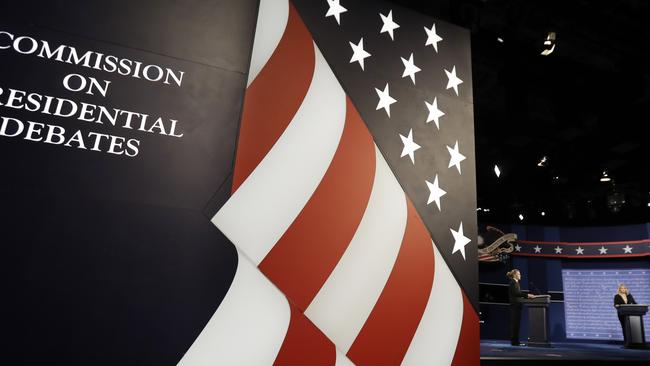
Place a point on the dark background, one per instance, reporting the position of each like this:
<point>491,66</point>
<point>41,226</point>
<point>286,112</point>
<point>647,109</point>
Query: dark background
<point>108,259</point>
<point>584,106</point>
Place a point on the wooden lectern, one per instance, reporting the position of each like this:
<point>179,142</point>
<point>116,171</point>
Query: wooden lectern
<point>538,320</point>
<point>633,320</point>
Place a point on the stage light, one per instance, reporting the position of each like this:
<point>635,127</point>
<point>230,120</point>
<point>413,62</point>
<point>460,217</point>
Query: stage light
<point>479,209</point>
<point>549,44</point>
<point>542,161</point>
<point>497,171</point>
<point>543,213</point>
<point>521,217</point>
<point>499,39</point>
<point>605,177</point>
<point>486,210</point>
<point>547,52</point>
<point>615,201</point>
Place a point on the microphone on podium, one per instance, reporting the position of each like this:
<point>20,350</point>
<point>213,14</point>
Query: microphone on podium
<point>533,289</point>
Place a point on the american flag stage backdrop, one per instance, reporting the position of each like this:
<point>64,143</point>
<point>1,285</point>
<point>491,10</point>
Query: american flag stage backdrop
<point>353,191</point>
<point>318,209</point>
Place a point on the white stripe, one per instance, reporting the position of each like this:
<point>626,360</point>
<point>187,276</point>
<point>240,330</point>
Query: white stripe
<point>263,207</point>
<point>247,328</point>
<point>271,22</point>
<point>434,342</point>
<point>342,360</point>
<point>345,301</point>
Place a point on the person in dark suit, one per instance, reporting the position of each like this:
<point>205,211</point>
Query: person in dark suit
<point>515,295</point>
<point>623,297</point>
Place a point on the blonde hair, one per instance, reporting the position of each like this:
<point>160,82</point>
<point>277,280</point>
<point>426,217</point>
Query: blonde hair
<point>511,274</point>
<point>619,289</point>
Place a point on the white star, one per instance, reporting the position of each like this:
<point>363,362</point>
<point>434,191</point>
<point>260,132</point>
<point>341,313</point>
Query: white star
<point>602,250</point>
<point>409,68</point>
<point>627,249</point>
<point>435,192</point>
<point>454,81</point>
<point>359,54</point>
<point>389,25</point>
<point>518,247</point>
<point>409,146</point>
<point>537,249</point>
<point>434,112</point>
<point>455,157</point>
<point>385,100</point>
<point>580,250</point>
<point>460,240</point>
<point>558,250</point>
<point>335,10</point>
<point>432,37</point>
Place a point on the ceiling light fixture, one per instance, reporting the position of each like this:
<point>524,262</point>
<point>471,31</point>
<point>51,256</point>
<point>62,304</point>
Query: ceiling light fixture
<point>543,213</point>
<point>497,171</point>
<point>521,217</point>
<point>605,177</point>
<point>499,39</point>
<point>549,44</point>
<point>542,161</point>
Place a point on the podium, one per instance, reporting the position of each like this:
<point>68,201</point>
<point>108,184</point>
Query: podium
<point>633,320</point>
<point>538,320</point>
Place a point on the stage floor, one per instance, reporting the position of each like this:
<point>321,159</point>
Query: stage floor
<point>499,352</point>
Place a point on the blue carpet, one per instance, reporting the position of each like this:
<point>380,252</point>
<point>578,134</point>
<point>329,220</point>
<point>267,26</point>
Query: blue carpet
<point>502,350</point>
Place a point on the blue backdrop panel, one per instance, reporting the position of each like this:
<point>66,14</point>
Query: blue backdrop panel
<point>589,298</point>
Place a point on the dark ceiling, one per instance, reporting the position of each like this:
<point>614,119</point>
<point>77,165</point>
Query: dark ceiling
<point>585,107</point>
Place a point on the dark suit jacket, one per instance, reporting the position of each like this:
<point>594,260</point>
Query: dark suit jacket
<point>618,300</point>
<point>514,293</point>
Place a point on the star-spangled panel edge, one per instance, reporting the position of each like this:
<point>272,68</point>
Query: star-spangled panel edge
<point>325,36</point>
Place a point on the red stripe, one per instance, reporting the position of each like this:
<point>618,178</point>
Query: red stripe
<point>572,256</point>
<point>587,243</point>
<point>304,344</point>
<point>387,334</point>
<point>308,251</point>
<point>274,97</point>
<point>467,348</point>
